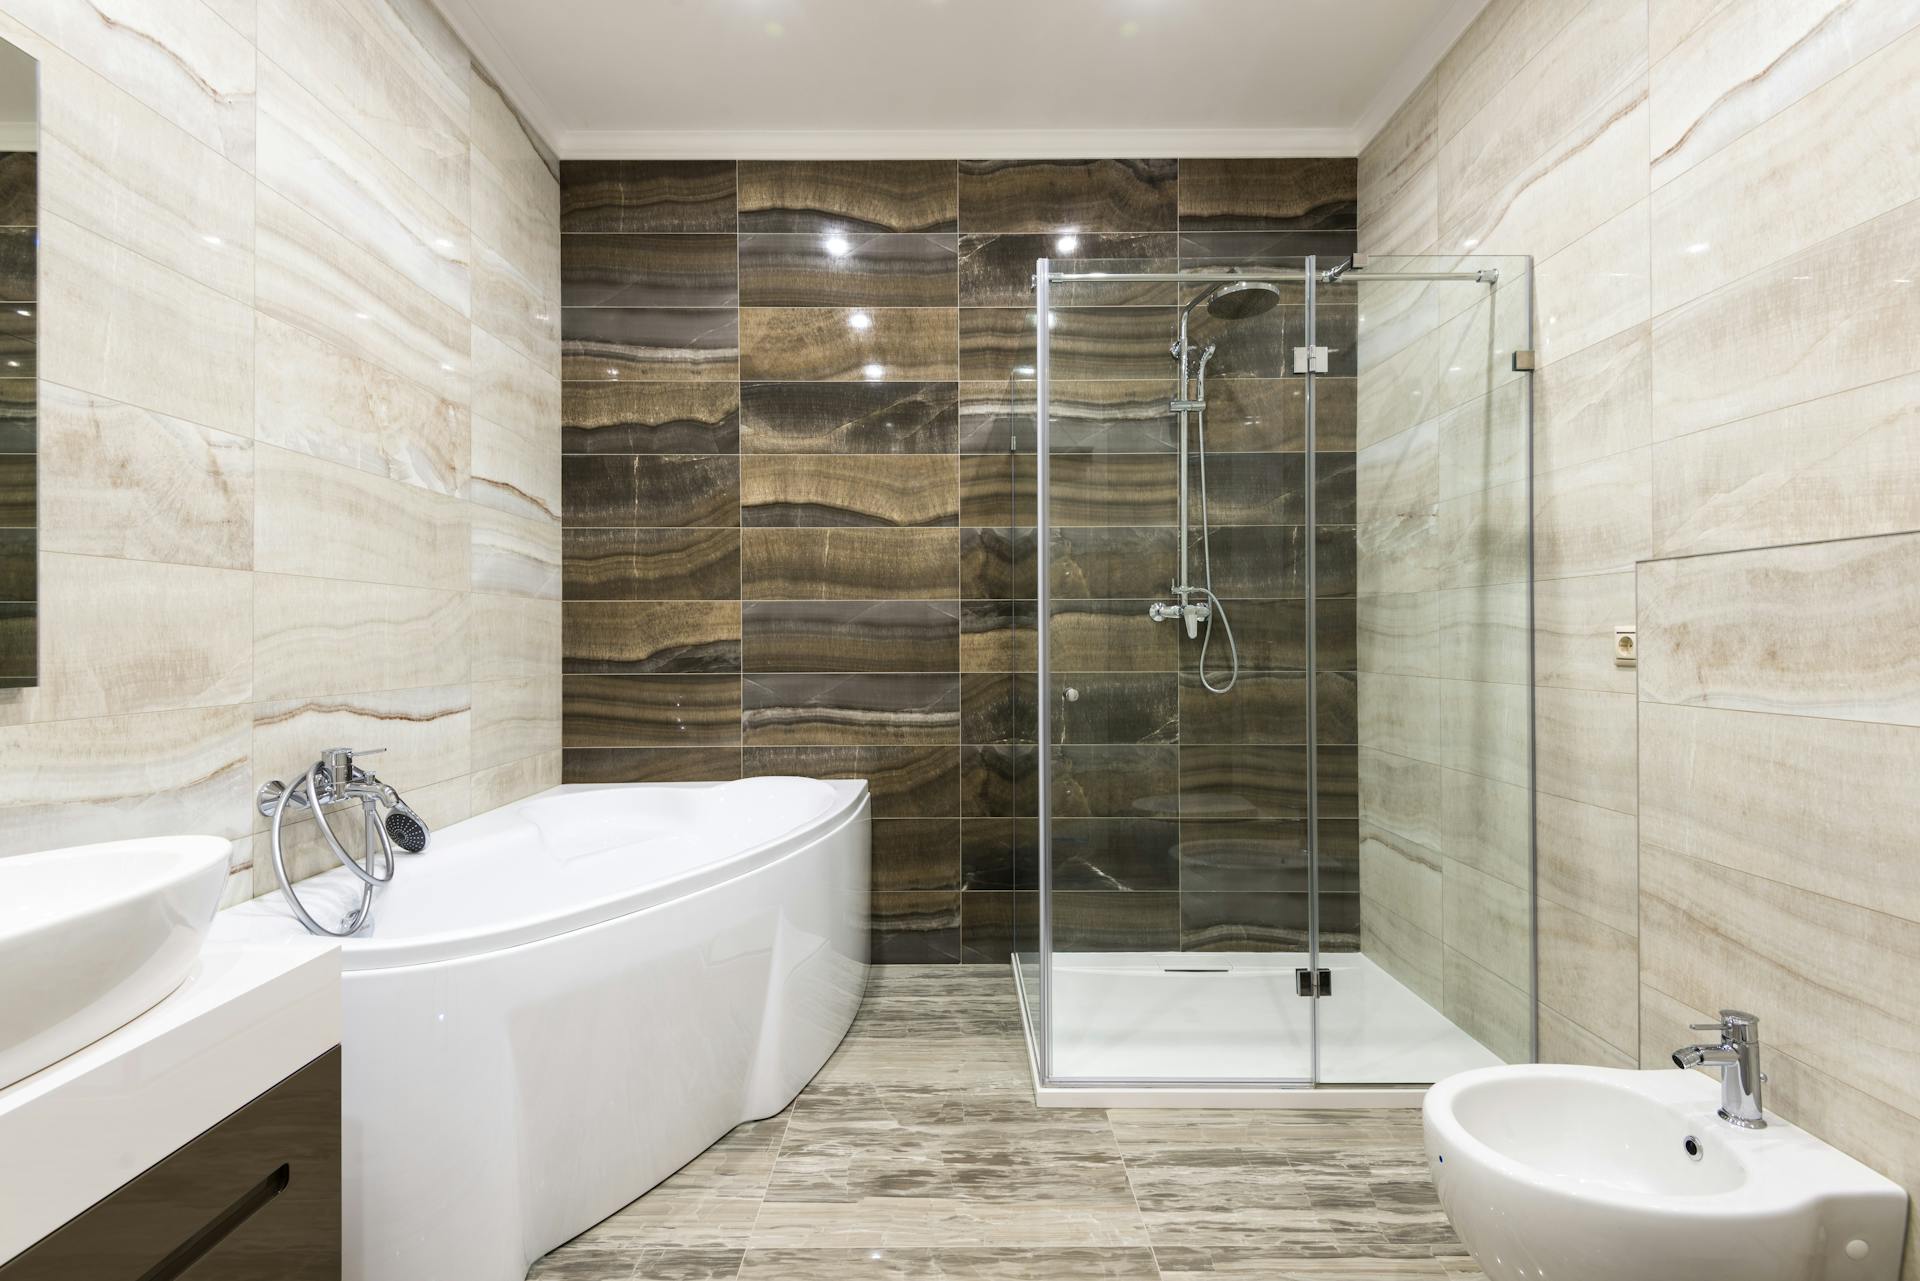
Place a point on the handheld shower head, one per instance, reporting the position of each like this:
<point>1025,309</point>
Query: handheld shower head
<point>406,829</point>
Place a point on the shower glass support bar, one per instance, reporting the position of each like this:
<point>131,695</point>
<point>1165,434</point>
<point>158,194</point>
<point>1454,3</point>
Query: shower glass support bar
<point>1489,276</point>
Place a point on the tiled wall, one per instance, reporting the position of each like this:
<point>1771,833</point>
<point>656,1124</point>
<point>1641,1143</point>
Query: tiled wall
<point>796,541</point>
<point>1726,214</point>
<point>19,550</point>
<point>299,420</point>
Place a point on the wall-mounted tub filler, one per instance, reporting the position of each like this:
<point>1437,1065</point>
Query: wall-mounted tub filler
<point>335,779</point>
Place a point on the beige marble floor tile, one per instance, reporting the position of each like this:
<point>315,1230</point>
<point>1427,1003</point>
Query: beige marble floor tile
<point>1066,1263</point>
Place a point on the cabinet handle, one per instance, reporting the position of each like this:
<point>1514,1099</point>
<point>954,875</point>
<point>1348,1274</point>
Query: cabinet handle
<point>197,1246</point>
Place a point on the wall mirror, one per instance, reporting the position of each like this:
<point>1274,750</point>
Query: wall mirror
<point>19,312</point>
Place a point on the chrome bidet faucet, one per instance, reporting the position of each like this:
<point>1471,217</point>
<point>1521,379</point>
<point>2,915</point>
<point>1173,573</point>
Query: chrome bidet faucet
<point>1737,1056</point>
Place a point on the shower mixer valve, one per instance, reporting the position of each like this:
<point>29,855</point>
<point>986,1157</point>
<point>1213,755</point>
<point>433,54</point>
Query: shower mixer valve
<point>1193,612</point>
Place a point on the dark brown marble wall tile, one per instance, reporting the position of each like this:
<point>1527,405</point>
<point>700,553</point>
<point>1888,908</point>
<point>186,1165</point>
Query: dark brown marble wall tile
<point>999,781</point>
<point>1245,922</point>
<point>1257,561</point>
<point>19,407</point>
<point>1252,489</point>
<point>1116,854</point>
<point>905,782</point>
<point>997,707</point>
<point>862,269</point>
<point>1116,781</point>
<point>1272,635</point>
<point>996,270</point>
<point>1254,347</point>
<point>847,195</point>
<point>1340,855</point>
<point>1085,489</point>
<point>17,256</point>
<point>1336,412</point>
<point>1279,250</point>
<point>1267,415</point>
<point>1262,707</point>
<point>18,477</point>
<point>19,343</point>
<point>649,418</point>
<point>999,854</point>
<point>840,490</point>
<point>647,195</point>
<point>1243,856</point>
<point>1116,921</point>
<point>917,928</point>
<point>650,564</point>
<point>850,564</point>
<point>1093,562</point>
<point>1126,416</point>
<point>649,764</point>
<point>916,854</point>
<point>842,344</point>
<point>650,636</point>
<point>19,188</point>
<point>1338,706</point>
<point>997,636</point>
<point>1109,636</point>
<point>1115,707</point>
<point>997,563</point>
<point>997,343</point>
<point>650,344</point>
<point>599,269</point>
<point>649,711</point>
<point>1235,781</point>
<point>19,564</point>
<point>1300,194</point>
<point>849,418</point>
<point>995,925</point>
<point>851,636</point>
<point>794,709</point>
<point>650,490</point>
<point>19,644</point>
<point>1069,195</point>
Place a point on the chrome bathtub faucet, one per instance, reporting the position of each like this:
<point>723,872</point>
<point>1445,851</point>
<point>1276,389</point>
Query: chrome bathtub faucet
<point>332,779</point>
<point>1737,1056</point>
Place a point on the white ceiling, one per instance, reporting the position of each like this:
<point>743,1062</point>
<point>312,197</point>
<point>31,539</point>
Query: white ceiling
<point>946,78</point>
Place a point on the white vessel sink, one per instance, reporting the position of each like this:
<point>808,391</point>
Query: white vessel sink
<point>1584,1174</point>
<point>93,936</point>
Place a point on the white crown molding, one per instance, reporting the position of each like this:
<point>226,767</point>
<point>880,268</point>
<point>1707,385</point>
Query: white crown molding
<point>1413,69</point>
<point>536,113</point>
<point>945,144</point>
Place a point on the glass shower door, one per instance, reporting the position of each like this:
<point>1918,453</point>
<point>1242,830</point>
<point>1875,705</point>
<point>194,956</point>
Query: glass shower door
<point>1174,789</point>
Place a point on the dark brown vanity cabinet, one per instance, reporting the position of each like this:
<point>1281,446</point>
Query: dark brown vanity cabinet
<point>256,1198</point>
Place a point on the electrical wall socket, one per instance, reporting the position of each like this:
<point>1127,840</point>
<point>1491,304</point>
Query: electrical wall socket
<point>1626,647</point>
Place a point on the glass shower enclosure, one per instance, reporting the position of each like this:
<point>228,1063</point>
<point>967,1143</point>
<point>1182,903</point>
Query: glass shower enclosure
<point>1282,780</point>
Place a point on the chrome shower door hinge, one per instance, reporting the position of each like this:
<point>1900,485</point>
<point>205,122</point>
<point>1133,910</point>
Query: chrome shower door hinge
<point>1310,360</point>
<point>1308,982</point>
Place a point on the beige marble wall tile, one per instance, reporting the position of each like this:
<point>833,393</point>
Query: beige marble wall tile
<point>1564,1041</point>
<point>1842,466</point>
<point>1823,806</point>
<point>516,780</point>
<point>1809,326</point>
<point>1481,538</point>
<point>1485,729</point>
<point>1590,972</point>
<point>1450,363</point>
<point>1402,877</point>
<point>115,323</point>
<point>425,733</point>
<point>135,636</point>
<point>1488,921</point>
<point>314,159</point>
<point>516,466</point>
<point>1593,518</point>
<point>120,481</point>
<point>1487,1007</point>
<point>1398,634</point>
<point>1834,159</point>
<point>1404,145</point>
<point>1483,443</point>
<point>1585,746</point>
<point>1573,631</point>
<point>134,176</point>
<point>179,59</point>
<point>514,719</point>
<point>509,387</point>
<point>1484,633</point>
<point>1594,402</point>
<point>330,402</point>
<point>1486,825</point>
<point>1401,715</point>
<point>315,636</point>
<point>1401,795</point>
<point>1588,860</point>
<point>1593,58</point>
<point>313,277</point>
<point>514,555</point>
<point>514,638</point>
<point>1409,954</point>
<point>239,14</point>
<point>1730,74</point>
<point>520,310</point>
<point>1822,973</point>
<point>73,782</point>
<point>511,161</point>
<point>1410,222</point>
<point>1502,39</point>
<point>1669,22</point>
<point>328,521</point>
<point>1818,629</point>
<point>1595,288</point>
<point>375,71</point>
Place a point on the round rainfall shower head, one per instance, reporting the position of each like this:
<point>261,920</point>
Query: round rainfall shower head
<point>1242,300</point>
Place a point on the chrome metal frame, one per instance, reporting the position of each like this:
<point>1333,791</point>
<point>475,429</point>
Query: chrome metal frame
<point>1045,277</point>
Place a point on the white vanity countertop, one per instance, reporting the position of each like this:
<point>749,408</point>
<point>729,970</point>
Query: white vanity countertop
<point>248,1016</point>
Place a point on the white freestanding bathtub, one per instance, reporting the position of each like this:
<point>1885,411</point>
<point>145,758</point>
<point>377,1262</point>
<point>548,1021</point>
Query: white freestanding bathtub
<point>566,999</point>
